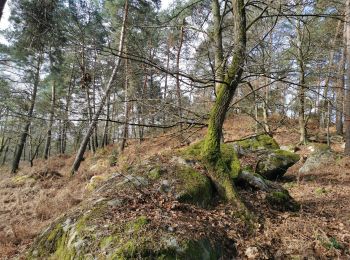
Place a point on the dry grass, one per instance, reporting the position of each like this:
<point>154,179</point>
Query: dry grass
<point>320,229</point>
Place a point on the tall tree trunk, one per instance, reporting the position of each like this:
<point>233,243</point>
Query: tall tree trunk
<point>340,95</point>
<point>24,134</point>
<point>347,95</point>
<point>226,90</point>
<point>52,113</point>
<point>126,108</point>
<point>302,87</point>
<point>165,82</point>
<point>325,103</point>
<point>217,39</point>
<point>105,138</point>
<point>82,148</point>
<point>66,112</point>
<point>178,87</point>
<point>265,107</point>
<point>2,5</point>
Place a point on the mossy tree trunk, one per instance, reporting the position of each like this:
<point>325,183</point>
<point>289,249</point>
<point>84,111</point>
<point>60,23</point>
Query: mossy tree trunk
<point>225,93</point>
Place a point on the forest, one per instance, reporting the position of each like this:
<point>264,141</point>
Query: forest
<point>194,129</point>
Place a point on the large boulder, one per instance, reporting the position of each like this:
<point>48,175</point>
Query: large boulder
<point>99,233</point>
<point>274,164</point>
<point>321,155</point>
<point>256,143</point>
<point>263,155</point>
<point>149,212</point>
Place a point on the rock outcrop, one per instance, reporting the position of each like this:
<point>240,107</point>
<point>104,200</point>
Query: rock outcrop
<point>265,156</point>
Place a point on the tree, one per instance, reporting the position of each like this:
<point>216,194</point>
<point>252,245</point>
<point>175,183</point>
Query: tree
<point>82,148</point>
<point>347,97</point>
<point>225,93</point>
<point>2,5</point>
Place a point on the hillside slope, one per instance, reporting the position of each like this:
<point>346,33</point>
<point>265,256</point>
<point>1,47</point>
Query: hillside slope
<point>36,197</point>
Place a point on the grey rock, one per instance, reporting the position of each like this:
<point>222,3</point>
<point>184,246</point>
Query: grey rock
<point>316,160</point>
<point>135,180</point>
<point>165,186</point>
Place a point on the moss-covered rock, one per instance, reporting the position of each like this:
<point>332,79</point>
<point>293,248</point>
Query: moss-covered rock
<point>228,162</point>
<point>93,233</point>
<point>222,170</point>
<point>155,173</point>
<point>273,165</point>
<point>281,200</point>
<point>194,187</point>
<point>259,142</point>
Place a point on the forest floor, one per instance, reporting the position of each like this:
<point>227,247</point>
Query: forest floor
<point>37,195</point>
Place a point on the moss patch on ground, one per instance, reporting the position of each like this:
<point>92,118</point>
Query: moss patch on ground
<point>281,200</point>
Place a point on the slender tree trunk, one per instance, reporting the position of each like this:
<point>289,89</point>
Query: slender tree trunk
<point>49,130</point>
<point>325,103</point>
<point>226,90</point>
<point>105,138</point>
<point>82,148</point>
<point>2,5</point>
<point>265,108</point>
<point>24,134</point>
<point>217,39</point>
<point>302,89</point>
<point>166,82</point>
<point>95,137</point>
<point>340,95</point>
<point>178,87</point>
<point>126,108</point>
<point>5,155</point>
<point>347,95</point>
<point>66,112</point>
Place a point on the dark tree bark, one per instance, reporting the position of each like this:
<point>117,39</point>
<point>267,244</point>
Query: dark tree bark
<point>23,138</point>
<point>2,5</point>
<point>80,154</point>
<point>49,130</point>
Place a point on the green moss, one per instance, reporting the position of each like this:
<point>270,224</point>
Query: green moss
<point>193,152</point>
<point>281,200</point>
<point>286,154</point>
<point>155,173</point>
<point>53,245</point>
<point>138,224</point>
<point>320,191</point>
<point>259,142</point>
<point>201,249</point>
<point>227,161</point>
<point>195,187</point>
<point>113,157</point>
<point>63,251</point>
<point>274,165</point>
